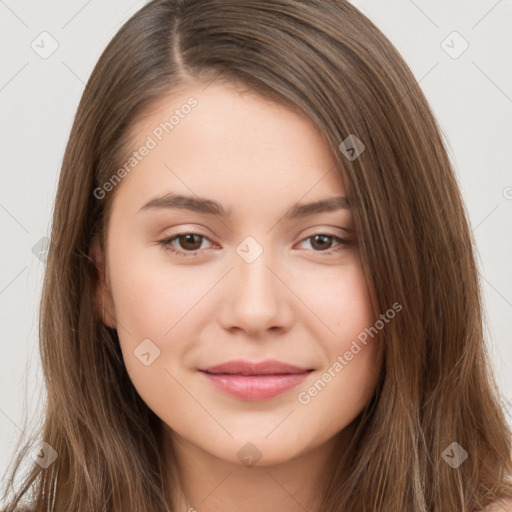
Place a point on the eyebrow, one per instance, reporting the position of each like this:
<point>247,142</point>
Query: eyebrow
<point>208,206</point>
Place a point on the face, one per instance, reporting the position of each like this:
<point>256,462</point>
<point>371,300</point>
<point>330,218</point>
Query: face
<point>255,278</point>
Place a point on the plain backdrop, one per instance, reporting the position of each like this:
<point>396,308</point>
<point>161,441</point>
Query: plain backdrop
<point>459,51</point>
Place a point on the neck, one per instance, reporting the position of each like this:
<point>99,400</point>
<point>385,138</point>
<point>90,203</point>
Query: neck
<point>205,483</point>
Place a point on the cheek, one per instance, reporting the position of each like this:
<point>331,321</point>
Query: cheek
<point>340,300</point>
<point>151,303</point>
<point>350,345</point>
<point>341,391</point>
<point>357,340</point>
<point>150,299</point>
<point>154,311</point>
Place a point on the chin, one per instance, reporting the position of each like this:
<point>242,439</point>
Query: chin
<point>260,451</point>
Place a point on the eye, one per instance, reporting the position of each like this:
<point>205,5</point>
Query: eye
<point>191,243</point>
<point>322,242</point>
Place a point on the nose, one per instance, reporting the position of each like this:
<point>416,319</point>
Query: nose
<point>256,299</point>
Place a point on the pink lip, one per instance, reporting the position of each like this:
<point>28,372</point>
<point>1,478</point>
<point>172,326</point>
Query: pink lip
<point>255,381</point>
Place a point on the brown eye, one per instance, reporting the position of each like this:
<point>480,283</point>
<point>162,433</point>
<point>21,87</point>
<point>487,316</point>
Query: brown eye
<point>326,243</point>
<point>184,244</point>
<point>321,242</point>
<point>190,241</point>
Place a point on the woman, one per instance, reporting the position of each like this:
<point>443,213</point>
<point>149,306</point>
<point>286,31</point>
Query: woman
<point>261,291</point>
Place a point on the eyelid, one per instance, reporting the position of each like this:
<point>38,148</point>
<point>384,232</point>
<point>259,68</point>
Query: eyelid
<point>327,230</point>
<point>302,235</point>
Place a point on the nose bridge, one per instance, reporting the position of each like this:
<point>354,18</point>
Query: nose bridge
<point>255,284</point>
<point>256,298</point>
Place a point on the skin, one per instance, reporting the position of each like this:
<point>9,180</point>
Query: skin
<point>294,303</point>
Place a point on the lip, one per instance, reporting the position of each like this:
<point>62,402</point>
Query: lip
<point>268,367</point>
<point>255,381</point>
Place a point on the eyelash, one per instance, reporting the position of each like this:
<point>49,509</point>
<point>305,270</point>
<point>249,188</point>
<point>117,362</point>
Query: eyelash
<point>167,247</point>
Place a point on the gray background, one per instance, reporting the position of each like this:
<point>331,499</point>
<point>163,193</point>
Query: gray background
<point>471,95</point>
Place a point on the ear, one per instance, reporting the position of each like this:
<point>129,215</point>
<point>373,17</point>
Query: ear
<point>103,295</point>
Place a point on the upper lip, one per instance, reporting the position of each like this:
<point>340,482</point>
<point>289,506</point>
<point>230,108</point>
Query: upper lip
<point>269,367</point>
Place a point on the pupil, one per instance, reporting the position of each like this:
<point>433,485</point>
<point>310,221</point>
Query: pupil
<point>325,239</point>
<point>189,239</point>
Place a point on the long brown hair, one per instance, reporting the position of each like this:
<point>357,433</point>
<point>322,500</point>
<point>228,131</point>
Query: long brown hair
<point>328,60</point>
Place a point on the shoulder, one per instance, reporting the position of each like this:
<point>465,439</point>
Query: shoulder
<point>500,506</point>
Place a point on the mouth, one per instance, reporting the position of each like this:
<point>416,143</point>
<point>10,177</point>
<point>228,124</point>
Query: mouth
<point>269,367</point>
<point>255,381</point>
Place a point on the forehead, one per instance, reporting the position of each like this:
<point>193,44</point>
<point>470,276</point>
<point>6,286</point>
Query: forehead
<point>226,140</point>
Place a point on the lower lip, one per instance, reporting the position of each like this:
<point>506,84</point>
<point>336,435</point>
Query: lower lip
<point>255,387</point>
